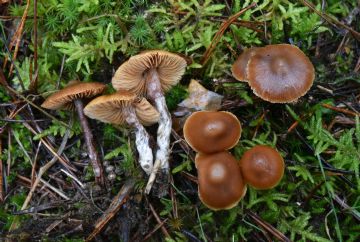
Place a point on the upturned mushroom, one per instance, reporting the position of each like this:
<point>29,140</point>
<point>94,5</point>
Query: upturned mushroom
<point>126,108</point>
<point>262,167</point>
<point>151,74</point>
<point>239,68</point>
<point>280,73</point>
<point>221,185</point>
<point>71,98</point>
<point>211,131</point>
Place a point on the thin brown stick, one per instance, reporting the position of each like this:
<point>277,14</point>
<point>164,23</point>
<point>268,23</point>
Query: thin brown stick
<point>220,33</point>
<point>262,117</point>
<point>9,156</point>
<point>42,170</point>
<point>346,207</point>
<point>33,84</point>
<point>189,176</point>
<point>184,145</point>
<point>173,199</point>
<point>114,207</point>
<point>89,140</point>
<point>33,169</point>
<point>5,84</point>
<point>163,229</point>
<point>16,39</point>
<point>22,97</point>
<point>330,19</point>
<point>357,66</point>
<point>26,182</point>
<point>61,194</point>
<point>268,227</point>
<point>1,176</point>
<point>292,126</point>
<point>341,110</point>
<point>50,148</point>
<point>11,116</point>
<point>157,227</point>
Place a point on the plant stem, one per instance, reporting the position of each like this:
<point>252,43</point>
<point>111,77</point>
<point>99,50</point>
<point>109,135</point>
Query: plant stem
<point>89,140</point>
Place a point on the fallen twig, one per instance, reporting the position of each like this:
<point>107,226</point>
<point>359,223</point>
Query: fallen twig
<point>114,207</point>
<point>220,33</point>
<point>34,80</point>
<point>346,207</point>
<point>163,229</point>
<point>330,19</point>
<point>1,176</point>
<point>268,227</point>
<point>157,227</point>
<point>54,189</point>
<point>16,39</point>
<point>42,170</point>
<point>341,110</point>
<point>50,148</point>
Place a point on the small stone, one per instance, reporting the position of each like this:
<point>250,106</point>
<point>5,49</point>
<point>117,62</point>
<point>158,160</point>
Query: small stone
<point>111,176</point>
<point>109,169</point>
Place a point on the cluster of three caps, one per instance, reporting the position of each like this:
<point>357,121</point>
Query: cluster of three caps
<point>222,179</point>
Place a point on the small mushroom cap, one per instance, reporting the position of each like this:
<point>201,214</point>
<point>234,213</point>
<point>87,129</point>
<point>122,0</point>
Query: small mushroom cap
<point>221,185</point>
<point>211,131</point>
<point>63,99</point>
<point>238,69</point>
<point>113,108</point>
<point>280,73</point>
<point>262,167</point>
<point>131,74</point>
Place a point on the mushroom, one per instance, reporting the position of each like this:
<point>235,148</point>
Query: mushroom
<point>211,131</point>
<point>238,69</point>
<point>71,98</point>
<point>262,167</point>
<point>152,73</point>
<point>126,108</point>
<point>280,73</point>
<point>221,185</point>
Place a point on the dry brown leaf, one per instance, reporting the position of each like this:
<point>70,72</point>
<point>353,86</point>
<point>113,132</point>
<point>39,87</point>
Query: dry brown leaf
<point>201,99</point>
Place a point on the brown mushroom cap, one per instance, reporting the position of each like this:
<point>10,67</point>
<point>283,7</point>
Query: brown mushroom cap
<point>110,108</point>
<point>221,185</point>
<point>131,75</point>
<point>280,73</point>
<point>210,132</point>
<point>262,167</point>
<point>63,99</point>
<point>238,69</point>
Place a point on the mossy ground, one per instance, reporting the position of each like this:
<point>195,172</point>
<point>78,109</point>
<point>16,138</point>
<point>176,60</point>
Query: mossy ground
<point>318,136</point>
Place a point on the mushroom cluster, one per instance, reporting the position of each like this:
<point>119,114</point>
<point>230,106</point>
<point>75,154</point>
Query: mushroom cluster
<point>222,179</point>
<point>146,76</point>
<point>150,74</point>
<point>279,73</point>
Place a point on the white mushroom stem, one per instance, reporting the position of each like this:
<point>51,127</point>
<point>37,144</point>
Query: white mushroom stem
<point>141,141</point>
<point>155,93</point>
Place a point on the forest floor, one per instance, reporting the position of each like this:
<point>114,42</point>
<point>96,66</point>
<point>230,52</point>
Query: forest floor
<point>48,190</point>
